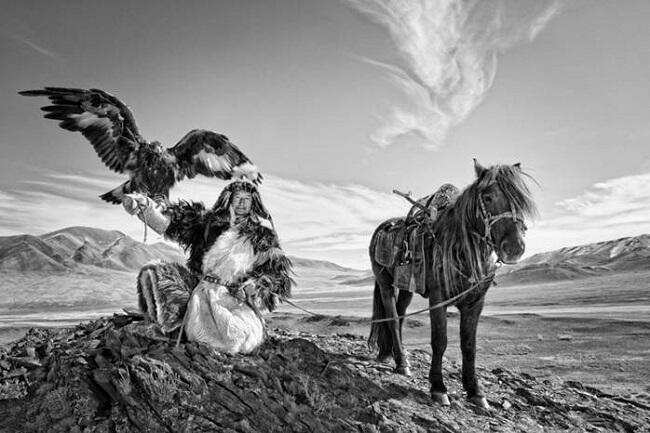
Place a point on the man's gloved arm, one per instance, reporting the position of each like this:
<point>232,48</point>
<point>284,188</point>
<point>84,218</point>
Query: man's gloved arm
<point>147,210</point>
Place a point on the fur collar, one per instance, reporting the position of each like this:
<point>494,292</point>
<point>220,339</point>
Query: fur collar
<point>197,229</point>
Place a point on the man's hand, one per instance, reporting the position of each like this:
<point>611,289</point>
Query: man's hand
<point>133,203</point>
<point>249,289</point>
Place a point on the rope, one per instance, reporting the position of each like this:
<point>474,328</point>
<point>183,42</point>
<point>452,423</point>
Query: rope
<point>389,319</point>
<point>282,299</point>
<point>141,210</point>
<point>433,307</point>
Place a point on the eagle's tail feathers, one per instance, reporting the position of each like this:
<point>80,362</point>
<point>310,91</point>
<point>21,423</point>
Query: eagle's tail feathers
<point>116,195</point>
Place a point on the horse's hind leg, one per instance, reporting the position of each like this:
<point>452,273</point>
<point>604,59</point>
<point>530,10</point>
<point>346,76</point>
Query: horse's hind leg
<point>403,301</point>
<point>380,336</point>
<point>438,346</point>
<point>390,306</point>
<point>469,316</point>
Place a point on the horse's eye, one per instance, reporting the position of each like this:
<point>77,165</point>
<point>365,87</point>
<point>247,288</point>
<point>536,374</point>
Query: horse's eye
<point>487,199</point>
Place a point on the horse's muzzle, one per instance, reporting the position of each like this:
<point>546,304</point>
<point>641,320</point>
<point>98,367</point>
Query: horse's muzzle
<point>511,251</point>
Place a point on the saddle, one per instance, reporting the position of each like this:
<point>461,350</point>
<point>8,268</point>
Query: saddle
<point>401,243</point>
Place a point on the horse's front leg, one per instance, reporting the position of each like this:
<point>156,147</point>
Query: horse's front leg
<point>388,299</point>
<point>438,318</point>
<point>469,316</point>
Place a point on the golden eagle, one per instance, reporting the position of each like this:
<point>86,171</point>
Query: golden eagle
<point>153,170</point>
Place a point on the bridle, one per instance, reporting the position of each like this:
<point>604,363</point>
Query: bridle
<point>489,220</point>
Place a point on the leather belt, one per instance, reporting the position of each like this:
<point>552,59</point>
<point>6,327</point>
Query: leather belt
<point>234,289</point>
<point>216,280</point>
<point>238,293</point>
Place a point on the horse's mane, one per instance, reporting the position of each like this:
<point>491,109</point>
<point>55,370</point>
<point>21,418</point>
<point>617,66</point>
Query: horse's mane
<point>458,246</point>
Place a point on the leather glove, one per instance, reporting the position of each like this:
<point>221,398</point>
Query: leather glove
<point>134,203</point>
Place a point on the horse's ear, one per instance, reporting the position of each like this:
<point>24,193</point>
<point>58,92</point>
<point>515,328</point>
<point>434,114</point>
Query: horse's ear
<point>478,168</point>
<point>517,166</point>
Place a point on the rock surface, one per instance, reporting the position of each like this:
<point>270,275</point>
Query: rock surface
<point>120,374</point>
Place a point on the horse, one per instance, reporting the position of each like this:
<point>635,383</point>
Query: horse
<point>483,228</point>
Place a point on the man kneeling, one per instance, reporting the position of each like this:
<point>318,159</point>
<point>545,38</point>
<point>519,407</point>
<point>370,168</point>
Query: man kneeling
<point>236,268</point>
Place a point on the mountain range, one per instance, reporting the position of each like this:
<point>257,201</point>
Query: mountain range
<point>622,255</point>
<point>73,247</point>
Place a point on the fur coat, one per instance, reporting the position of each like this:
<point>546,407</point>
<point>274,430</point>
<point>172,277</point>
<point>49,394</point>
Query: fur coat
<point>196,229</point>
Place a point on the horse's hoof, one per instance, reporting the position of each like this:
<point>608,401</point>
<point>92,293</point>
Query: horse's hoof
<point>440,398</point>
<point>480,401</point>
<point>383,358</point>
<point>404,370</point>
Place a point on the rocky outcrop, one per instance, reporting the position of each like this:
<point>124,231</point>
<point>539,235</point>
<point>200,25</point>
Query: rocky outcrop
<point>120,374</point>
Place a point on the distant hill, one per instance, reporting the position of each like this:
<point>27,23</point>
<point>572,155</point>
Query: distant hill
<point>365,278</point>
<point>619,255</point>
<point>299,262</point>
<point>67,249</point>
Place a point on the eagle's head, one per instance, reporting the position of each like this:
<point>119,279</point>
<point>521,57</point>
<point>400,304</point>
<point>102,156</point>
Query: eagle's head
<point>157,147</point>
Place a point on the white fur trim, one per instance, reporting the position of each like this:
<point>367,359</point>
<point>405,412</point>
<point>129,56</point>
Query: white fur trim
<point>216,318</point>
<point>246,170</point>
<point>230,257</point>
<point>266,223</point>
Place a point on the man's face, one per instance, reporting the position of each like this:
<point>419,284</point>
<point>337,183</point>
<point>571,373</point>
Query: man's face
<point>241,203</point>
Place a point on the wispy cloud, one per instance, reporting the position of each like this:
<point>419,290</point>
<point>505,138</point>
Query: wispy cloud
<point>608,210</point>
<point>34,46</point>
<point>39,49</point>
<point>448,51</point>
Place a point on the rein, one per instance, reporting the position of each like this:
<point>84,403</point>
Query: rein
<point>440,304</point>
<point>486,278</point>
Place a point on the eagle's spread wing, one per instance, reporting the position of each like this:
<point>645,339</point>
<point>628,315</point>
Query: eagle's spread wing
<point>211,154</point>
<point>102,118</point>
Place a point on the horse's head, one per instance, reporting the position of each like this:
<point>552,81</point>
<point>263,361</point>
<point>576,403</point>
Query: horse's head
<point>503,203</point>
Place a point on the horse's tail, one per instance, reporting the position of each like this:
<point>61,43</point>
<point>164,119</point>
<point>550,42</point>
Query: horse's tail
<point>379,338</point>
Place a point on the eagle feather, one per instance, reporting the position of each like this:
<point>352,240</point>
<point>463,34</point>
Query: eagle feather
<point>110,127</point>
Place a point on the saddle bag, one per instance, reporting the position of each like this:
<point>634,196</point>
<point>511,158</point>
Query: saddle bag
<point>390,244</point>
<point>403,277</point>
<point>410,275</point>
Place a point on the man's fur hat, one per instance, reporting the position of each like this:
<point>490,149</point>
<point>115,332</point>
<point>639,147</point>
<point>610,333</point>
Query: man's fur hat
<point>222,205</point>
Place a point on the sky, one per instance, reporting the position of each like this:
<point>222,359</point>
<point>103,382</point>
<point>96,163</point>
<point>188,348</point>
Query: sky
<point>338,103</point>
